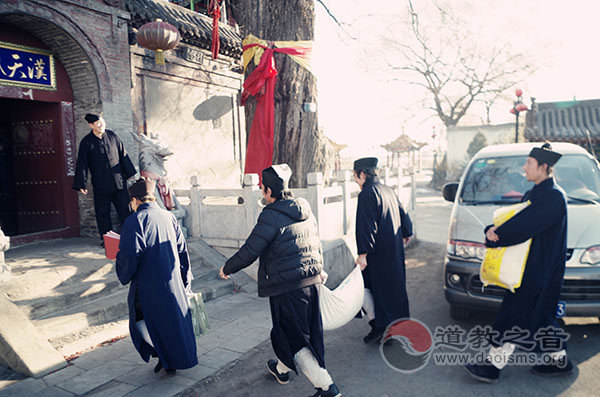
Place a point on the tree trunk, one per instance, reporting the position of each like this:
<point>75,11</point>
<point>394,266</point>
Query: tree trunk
<point>298,141</point>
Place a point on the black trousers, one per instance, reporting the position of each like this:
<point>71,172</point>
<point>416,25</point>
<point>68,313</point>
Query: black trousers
<point>297,323</point>
<point>102,201</point>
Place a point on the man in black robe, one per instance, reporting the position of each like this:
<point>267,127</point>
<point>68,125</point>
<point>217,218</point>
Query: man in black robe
<point>286,239</point>
<point>382,229</point>
<point>104,155</point>
<point>533,306</point>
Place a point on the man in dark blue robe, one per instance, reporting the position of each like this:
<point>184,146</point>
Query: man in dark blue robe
<point>104,155</point>
<point>533,306</point>
<point>153,257</point>
<point>382,229</point>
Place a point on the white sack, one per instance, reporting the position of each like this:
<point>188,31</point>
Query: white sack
<point>340,306</point>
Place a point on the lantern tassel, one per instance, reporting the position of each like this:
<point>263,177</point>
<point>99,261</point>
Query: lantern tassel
<point>159,57</point>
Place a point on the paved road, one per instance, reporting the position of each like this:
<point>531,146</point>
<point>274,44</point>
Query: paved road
<point>359,370</point>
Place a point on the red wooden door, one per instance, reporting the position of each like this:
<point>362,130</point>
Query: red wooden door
<point>37,151</point>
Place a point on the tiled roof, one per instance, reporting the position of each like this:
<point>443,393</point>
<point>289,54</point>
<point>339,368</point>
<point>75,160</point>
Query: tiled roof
<point>563,121</point>
<point>195,28</point>
<point>336,146</point>
<point>403,144</point>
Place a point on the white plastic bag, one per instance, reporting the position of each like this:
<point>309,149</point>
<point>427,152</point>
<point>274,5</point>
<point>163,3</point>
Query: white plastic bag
<point>340,306</point>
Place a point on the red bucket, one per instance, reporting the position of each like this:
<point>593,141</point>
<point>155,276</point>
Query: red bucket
<point>111,246</point>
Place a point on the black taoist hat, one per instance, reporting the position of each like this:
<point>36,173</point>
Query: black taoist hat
<point>545,154</point>
<point>366,163</point>
<point>141,188</point>
<point>91,118</point>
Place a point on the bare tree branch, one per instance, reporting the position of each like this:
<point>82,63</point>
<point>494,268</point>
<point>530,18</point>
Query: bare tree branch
<point>445,60</point>
<point>336,20</point>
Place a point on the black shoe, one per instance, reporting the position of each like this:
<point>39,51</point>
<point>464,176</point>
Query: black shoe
<point>158,367</point>
<point>483,372</point>
<point>333,391</point>
<point>170,371</point>
<point>102,244</point>
<point>554,369</point>
<point>283,379</point>
<point>375,334</point>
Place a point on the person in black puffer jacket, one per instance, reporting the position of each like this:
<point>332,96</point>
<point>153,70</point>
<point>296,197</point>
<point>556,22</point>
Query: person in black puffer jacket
<point>286,239</point>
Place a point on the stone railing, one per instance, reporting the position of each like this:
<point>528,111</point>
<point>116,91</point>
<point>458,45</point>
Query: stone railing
<point>225,217</point>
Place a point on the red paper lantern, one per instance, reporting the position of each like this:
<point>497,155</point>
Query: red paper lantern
<point>518,92</point>
<point>521,107</point>
<point>158,36</point>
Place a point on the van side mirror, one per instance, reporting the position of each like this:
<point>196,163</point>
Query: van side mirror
<point>449,191</point>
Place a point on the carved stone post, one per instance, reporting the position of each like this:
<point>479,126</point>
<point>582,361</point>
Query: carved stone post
<point>251,198</point>
<point>343,178</point>
<point>195,208</point>
<point>315,195</point>
<point>4,268</point>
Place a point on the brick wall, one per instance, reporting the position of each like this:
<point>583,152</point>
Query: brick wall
<point>90,39</point>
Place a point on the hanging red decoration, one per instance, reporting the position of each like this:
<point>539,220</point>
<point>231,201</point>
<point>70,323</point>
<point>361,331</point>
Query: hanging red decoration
<point>521,107</point>
<point>214,10</point>
<point>261,84</point>
<point>158,36</point>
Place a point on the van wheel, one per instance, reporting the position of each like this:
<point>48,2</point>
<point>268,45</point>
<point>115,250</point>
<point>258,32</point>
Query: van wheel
<point>459,313</point>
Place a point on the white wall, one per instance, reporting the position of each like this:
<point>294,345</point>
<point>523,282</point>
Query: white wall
<point>192,104</point>
<point>459,139</point>
<point>206,148</point>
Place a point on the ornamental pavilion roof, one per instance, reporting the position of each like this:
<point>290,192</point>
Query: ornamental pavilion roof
<point>403,144</point>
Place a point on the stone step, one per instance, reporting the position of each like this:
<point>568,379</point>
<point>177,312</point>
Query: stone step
<point>91,285</point>
<point>73,297</point>
<point>113,307</point>
<point>68,297</point>
<point>102,310</point>
<point>38,282</point>
<point>212,286</point>
<point>75,329</point>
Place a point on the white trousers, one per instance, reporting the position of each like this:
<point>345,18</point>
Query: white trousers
<point>369,304</point>
<point>143,328</point>
<point>309,366</point>
<point>498,356</point>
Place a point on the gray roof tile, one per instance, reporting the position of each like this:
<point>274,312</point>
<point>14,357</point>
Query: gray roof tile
<point>194,28</point>
<point>563,121</point>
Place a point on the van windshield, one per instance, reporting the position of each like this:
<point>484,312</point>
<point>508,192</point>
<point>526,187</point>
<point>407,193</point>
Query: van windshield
<point>502,180</point>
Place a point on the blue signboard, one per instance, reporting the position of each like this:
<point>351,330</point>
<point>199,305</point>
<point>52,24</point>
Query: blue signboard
<point>24,66</point>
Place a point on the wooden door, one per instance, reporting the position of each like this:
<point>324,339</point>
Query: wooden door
<point>38,170</point>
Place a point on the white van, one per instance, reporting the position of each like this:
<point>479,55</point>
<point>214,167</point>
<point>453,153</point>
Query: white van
<point>494,177</point>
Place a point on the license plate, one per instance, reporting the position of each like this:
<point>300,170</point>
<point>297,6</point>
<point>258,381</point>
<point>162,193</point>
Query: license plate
<point>561,309</point>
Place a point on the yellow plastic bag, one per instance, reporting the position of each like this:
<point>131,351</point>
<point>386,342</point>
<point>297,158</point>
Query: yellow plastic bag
<point>504,266</point>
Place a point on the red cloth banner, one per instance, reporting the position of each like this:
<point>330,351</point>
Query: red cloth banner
<point>261,84</point>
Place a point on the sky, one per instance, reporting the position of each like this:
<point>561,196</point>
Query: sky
<point>360,105</point>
